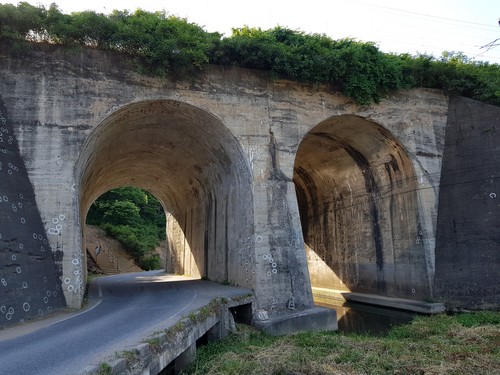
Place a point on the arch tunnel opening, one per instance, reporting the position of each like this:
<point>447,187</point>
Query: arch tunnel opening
<point>125,231</point>
<point>357,195</point>
<point>194,166</point>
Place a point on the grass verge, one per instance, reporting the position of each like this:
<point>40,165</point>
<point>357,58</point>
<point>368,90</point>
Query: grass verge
<point>441,344</point>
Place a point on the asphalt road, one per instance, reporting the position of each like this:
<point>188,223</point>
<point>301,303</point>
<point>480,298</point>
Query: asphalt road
<point>123,311</point>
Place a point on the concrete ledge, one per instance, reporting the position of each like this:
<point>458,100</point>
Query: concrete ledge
<point>174,342</point>
<point>313,319</point>
<point>332,296</point>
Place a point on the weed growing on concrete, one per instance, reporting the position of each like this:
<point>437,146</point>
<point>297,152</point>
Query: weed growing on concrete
<point>175,329</point>
<point>105,369</point>
<point>130,357</point>
<point>154,344</point>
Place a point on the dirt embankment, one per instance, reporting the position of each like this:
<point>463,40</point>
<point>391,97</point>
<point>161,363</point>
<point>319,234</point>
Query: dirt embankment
<point>119,259</point>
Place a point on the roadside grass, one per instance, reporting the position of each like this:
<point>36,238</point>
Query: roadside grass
<point>441,344</point>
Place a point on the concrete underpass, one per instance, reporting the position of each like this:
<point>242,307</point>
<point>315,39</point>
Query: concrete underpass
<point>195,167</point>
<point>280,187</point>
<point>357,192</point>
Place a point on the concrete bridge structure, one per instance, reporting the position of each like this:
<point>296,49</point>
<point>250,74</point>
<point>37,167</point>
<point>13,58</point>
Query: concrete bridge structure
<point>276,186</point>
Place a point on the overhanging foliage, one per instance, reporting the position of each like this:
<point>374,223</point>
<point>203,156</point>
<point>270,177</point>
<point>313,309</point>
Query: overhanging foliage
<point>162,44</point>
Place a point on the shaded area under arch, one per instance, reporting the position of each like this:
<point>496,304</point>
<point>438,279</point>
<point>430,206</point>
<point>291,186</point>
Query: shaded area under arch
<point>193,164</point>
<point>356,190</point>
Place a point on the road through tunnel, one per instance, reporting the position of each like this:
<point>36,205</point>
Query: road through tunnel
<point>195,167</point>
<point>357,197</point>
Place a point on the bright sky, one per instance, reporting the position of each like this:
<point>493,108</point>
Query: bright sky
<point>423,26</point>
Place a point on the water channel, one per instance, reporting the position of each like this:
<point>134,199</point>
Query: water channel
<point>373,320</point>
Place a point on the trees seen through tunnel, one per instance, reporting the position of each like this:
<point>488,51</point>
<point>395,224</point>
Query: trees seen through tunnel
<point>135,218</point>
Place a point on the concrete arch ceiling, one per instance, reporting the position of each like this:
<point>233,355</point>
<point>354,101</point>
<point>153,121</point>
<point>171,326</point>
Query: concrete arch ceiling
<point>356,190</point>
<point>190,161</point>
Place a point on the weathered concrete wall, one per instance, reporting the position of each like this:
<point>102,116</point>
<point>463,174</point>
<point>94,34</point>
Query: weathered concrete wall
<point>468,241</point>
<point>29,271</point>
<point>367,186</point>
<point>239,161</point>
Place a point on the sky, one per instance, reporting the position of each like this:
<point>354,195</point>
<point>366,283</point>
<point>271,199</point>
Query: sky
<point>399,26</point>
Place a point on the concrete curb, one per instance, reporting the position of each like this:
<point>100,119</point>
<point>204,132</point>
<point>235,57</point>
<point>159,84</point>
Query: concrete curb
<point>175,345</point>
<point>331,296</point>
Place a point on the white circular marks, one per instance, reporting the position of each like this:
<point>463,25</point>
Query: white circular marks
<point>274,271</point>
<point>274,264</point>
<point>48,293</point>
<point>35,236</point>
<point>269,273</point>
<point>25,285</point>
<point>21,196</point>
<point>71,288</point>
<point>493,195</point>
<point>67,280</point>
<point>5,198</point>
<point>3,281</point>
<point>418,240</point>
<point>73,187</point>
<point>76,272</point>
<point>23,220</point>
<point>40,312</point>
<point>26,306</point>
<point>11,310</point>
<point>13,257</point>
<point>3,309</point>
<point>45,300</point>
<point>75,261</point>
<point>413,290</point>
<point>258,239</point>
<point>21,246</point>
<point>58,227</point>
<point>267,256</point>
<point>18,269</point>
<point>14,208</point>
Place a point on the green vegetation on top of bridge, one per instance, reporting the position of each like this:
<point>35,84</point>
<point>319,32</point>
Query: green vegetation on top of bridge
<point>162,44</point>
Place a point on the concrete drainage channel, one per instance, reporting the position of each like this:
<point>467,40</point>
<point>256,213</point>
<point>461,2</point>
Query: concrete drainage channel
<point>173,349</point>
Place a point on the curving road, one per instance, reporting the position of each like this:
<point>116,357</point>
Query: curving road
<point>125,309</point>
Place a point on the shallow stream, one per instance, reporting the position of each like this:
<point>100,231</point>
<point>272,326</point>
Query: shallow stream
<point>369,319</point>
